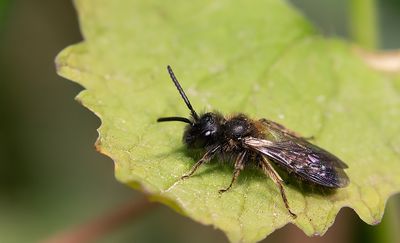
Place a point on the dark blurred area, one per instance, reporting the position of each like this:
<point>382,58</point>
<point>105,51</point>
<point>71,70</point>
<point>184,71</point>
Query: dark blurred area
<point>51,177</point>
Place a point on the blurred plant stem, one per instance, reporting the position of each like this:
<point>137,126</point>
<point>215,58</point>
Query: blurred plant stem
<point>99,227</point>
<point>388,230</point>
<point>386,61</point>
<point>364,23</point>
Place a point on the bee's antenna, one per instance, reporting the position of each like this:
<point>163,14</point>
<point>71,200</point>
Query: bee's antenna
<point>174,118</point>
<point>184,97</point>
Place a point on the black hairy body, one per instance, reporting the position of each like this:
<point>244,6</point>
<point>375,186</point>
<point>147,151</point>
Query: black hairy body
<point>260,142</point>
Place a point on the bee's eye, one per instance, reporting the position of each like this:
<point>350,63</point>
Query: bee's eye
<point>207,133</point>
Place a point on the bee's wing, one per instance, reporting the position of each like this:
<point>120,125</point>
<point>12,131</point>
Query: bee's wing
<point>303,158</point>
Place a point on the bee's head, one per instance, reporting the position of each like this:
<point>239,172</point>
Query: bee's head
<point>205,131</point>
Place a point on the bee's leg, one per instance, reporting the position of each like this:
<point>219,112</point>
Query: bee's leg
<point>239,165</point>
<point>206,157</point>
<point>270,171</point>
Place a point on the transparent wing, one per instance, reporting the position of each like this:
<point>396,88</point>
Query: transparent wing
<point>297,155</point>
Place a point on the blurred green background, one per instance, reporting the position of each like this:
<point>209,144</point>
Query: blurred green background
<point>51,177</point>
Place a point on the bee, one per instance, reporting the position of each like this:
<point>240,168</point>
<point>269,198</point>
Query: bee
<point>261,142</point>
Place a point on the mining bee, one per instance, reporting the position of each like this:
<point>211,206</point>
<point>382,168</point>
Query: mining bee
<point>261,142</point>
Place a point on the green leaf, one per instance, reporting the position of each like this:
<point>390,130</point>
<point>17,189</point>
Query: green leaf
<point>261,58</point>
